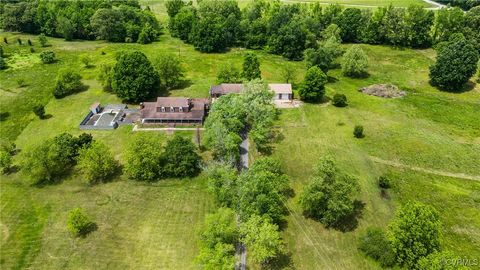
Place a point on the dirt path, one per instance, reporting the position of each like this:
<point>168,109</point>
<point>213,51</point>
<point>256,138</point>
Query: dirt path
<point>425,170</point>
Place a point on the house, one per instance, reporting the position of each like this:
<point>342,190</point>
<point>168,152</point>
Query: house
<point>174,110</point>
<point>282,91</point>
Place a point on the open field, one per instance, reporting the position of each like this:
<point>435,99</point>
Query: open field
<point>152,226</point>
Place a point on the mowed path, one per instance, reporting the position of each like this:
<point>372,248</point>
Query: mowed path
<point>425,170</point>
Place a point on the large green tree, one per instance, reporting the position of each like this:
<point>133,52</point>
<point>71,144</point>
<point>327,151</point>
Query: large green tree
<point>222,183</point>
<point>97,163</point>
<point>180,158</point>
<point>134,78</point>
<point>169,69</point>
<point>350,22</point>
<point>415,233</point>
<point>67,82</point>
<point>262,238</point>
<point>144,158</point>
<point>330,195</point>
<point>312,88</point>
<point>456,63</point>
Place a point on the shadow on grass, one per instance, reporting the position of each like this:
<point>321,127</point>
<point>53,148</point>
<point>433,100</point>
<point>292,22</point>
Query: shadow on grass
<point>87,230</point>
<point>467,87</point>
<point>282,261</point>
<point>46,116</point>
<point>4,116</point>
<point>350,222</point>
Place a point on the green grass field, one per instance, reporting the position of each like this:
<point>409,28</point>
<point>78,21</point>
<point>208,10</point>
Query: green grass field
<point>152,226</point>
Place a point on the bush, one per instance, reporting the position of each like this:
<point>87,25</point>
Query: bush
<point>39,110</point>
<point>251,67</point>
<point>228,73</point>
<point>19,41</point>
<point>340,100</point>
<point>67,83</point>
<point>170,70</point>
<point>3,65</point>
<point>87,61</point>
<point>97,163</point>
<point>5,161</point>
<point>43,40</point>
<point>78,222</point>
<point>32,50</point>
<point>358,131</point>
<point>29,42</point>
<point>47,57</point>
<point>5,40</point>
<point>355,62</point>
<point>384,182</point>
<point>375,245</point>
<point>312,88</point>
<point>143,158</point>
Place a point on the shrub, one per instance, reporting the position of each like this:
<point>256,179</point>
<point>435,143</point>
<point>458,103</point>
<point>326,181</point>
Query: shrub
<point>39,110</point>
<point>5,161</point>
<point>375,245</point>
<point>67,83</point>
<point>143,158</point>
<point>5,40</point>
<point>32,50</point>
<point>355,62</point>
<point>384,182</point>
<point>29,42</point>
<point>47,57</point>
<point>312,88</point>
<point>228,74</point>
<point>105,76</point>
<point>358,131</point>
<point>170,70</point>
<point>19,41</point>
<point>251,67</point>
<point>96,163</point>
<point>87,61</point>
<point>340,100</point>
<point>43,40</point>
<point>78,222</point>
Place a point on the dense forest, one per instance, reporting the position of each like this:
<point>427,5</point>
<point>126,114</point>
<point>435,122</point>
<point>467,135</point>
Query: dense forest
<point>213,26</point>
<point>112,20</point>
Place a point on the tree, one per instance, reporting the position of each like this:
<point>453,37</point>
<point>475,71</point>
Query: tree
<point>105,76</point>
<point>262,239</point>
<point>221,257</point>
<point>350,22</point>
<point>219,227</point>
<point>134,78</point>
<point>169,69</point>
<point>415,233</point>
<point>375,244</point>
<point>339,100</point>
<point>181,25</point>
<point>320,57</point>
<point>39,110</point>
<point>313,87</point>
<point>147,35</point>
<point>228,73</point>
<point>355,62</point>
<point>290,41</point>
<point>222,183</point>
<point>143,158</point>
<point>78,223</point>
<point>395,28</point>
<point>108,24</point>
<point>66,28</point>
<point>66,83</point>
<point>180,158</point>
<point>419,23</point>
<point>47,57</point>
<point>97,163</point>
<point>173,7</point>
<point>329,197</point>
<point>263,190</point>
<point>332,31</point>
<point>5,161</point>
<point>42,39</point>
<point>456,63</point>
<point>251,67</point>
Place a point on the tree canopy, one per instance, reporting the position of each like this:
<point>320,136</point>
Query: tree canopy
<point>134,78</point>
<point>355,62</point>
<point>312,88</point>
<point>251,67</point>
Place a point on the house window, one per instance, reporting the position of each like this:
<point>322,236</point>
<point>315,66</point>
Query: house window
<point>279,96</point>
<point>180,109</point>
<point>172,109</point>
<point>163,109</point>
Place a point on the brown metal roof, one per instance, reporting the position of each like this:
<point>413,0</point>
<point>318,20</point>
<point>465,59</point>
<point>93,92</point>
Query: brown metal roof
<point>196,111</point>
<point>172,102</point>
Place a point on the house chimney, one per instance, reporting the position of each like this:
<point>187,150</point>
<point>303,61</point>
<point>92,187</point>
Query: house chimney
<point>141,105</point>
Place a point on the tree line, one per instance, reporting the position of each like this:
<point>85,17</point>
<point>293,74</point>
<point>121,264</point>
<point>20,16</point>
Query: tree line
<point>111,20</point>
<point>287,30</point>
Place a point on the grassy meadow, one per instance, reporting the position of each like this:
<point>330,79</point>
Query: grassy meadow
<point>153,226</point>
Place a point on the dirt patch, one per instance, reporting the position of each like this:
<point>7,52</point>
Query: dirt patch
<point>383,90</point>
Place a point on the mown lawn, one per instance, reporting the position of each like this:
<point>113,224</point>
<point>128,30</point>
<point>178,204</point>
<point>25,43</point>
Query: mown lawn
<point>153,225</point>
